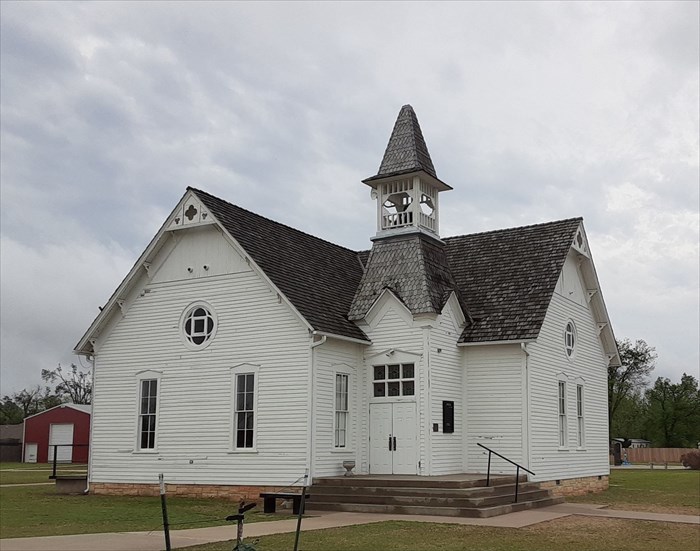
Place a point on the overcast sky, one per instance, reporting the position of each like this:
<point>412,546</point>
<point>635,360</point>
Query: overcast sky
<point>531,111</point>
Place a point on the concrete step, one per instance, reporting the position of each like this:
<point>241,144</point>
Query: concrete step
<point>431,500</point>
<point>505,489</point>
<point>414,482</point>
<point>435,511</point>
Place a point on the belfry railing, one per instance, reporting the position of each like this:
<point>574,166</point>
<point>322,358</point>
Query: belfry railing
<point>517,470</point>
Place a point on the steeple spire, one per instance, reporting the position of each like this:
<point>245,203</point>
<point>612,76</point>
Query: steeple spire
<point>406,187</point>
<point>406,150</point>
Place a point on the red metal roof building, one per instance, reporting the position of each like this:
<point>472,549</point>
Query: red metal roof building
<point>66,426</point>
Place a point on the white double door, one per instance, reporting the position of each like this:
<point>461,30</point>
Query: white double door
<point>393,442</point>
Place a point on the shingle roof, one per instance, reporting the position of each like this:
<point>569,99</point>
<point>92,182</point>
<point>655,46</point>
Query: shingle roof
<point>414,267</point>
<point>507,277</point>
<point>504,279</point>
<point>406,150</point>
<point>318,277</point>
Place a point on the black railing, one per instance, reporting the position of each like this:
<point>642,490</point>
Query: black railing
<point>517,470</point>
<point>73,465</point>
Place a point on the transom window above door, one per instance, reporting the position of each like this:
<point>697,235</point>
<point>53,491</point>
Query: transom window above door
<point>394,380</point>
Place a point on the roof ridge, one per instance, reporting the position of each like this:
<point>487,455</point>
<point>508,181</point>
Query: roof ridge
<point>196,190</point>
<point>528,226</point>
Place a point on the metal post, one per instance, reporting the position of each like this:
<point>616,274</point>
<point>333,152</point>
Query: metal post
<point>239,533</point>
<point>488,470</point>
<point>164,507</point>
<point>517,482</point>
<point>301,510</point>
<point>53,473</point>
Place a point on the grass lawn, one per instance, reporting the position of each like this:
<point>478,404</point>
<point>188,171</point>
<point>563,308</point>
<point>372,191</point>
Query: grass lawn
<point>659,491</point>
<point>39,511</point>
<point>570,533</point>
<point>24,473</point>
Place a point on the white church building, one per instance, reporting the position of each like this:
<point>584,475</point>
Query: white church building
<point>239,353</point>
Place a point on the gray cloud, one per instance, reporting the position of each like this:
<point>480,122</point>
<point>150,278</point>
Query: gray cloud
<point>532,111</point>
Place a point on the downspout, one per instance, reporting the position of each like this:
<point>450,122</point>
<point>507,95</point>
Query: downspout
<point>92,419</point>
<point>312,404</point>
<point>526,388</point>
<point>428,467</point>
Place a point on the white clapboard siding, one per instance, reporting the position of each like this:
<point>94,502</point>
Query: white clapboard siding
<point>548,363</point>
<point>446,371</point>
<point>195,397</point>
<point>395,330</point>
<point>494,406</point>
<point>335,356</point>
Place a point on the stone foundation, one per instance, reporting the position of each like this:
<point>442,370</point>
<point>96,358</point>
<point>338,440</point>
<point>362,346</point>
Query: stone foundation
<point>576,486</point>
<point>234,493</point>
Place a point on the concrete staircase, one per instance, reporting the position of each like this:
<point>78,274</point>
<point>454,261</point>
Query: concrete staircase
<point>459,496</point>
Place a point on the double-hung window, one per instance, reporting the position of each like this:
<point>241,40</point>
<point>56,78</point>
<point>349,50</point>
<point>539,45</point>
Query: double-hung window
<point>244,412</point>
<point>341,410</point>
<point>579,416</point>
<point>562,414</point>
<point>147,414</point>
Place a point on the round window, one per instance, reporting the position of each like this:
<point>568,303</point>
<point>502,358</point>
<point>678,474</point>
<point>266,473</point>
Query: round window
<point>570,338</point>
<point>198,325</point>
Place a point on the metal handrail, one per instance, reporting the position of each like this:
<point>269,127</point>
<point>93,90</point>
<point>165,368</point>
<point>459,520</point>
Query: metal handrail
<point>517,470</point>
<point>55,456</point>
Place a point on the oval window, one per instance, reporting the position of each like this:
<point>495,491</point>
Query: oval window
<point>198,325</point>
<point>570,338</point>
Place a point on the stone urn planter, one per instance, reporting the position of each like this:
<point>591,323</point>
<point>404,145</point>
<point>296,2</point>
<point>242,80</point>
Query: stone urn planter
<point>349,466</point>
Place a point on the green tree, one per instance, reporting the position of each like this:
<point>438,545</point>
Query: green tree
<point>674,413</point>
<point>629,379</point>
<point>630,418</point>
<point>14,408</point>
<point>75,385</point>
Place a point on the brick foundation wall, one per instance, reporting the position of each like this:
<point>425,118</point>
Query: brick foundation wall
<point>234,493</point>
<point>576,486</point>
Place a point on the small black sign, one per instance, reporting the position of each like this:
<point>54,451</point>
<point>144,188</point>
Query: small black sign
<point>448,416</point>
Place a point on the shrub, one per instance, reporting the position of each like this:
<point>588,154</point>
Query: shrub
<point>692,460</point>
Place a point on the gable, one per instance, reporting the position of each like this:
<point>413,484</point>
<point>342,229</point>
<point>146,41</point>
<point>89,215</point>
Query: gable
<point>570,285</point>
<point>200,251</point>
<point>388,306</point>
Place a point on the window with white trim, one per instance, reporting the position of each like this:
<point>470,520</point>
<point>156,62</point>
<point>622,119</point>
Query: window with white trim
<point>562,414</point>
<point>570,338</point>
<point>394,380</point>
<point>148,400</point>
<point>579,416</point>
<point>341,410</point>
<point>198,325</point>
<point>244,411</point>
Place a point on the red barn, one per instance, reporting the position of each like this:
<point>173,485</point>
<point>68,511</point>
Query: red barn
<point>58,426</point>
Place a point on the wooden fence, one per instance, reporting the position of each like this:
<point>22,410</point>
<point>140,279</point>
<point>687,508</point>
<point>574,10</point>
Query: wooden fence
<point>654,455</point>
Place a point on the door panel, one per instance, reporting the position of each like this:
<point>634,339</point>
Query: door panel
<point>380,419</point>
<point>61,434</point>
<point>405,430</point>
<point>393,445</point>
<point>30,453</point>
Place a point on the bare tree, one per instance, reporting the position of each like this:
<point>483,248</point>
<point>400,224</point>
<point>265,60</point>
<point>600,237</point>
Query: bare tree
<point>75,384</point>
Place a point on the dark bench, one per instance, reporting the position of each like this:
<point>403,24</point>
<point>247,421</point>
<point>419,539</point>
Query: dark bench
<point>270,503</point>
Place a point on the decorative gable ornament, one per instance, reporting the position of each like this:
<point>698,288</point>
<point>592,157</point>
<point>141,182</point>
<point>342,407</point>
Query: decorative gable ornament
<point>191,213</point>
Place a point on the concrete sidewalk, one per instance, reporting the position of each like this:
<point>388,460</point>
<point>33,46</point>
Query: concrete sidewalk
<point>153,541</point>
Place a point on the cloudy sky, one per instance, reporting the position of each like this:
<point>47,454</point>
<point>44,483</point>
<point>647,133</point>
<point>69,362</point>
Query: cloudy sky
<point>531,111</point>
